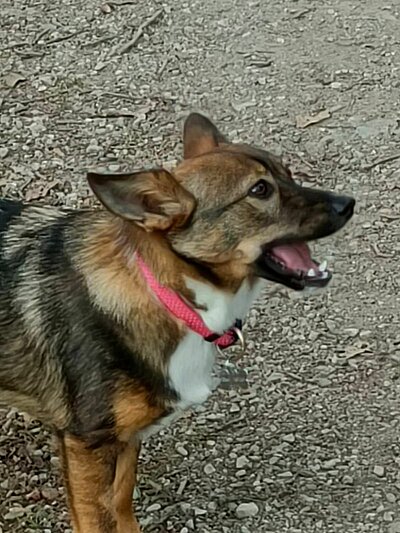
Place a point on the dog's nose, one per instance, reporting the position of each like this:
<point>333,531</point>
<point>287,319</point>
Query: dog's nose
<point>344,205</point>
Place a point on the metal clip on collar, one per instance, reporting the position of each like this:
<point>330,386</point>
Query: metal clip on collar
<point>242,345</point>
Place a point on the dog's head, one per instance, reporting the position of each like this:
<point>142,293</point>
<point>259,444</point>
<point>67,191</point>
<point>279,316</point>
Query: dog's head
<point>231,209</point>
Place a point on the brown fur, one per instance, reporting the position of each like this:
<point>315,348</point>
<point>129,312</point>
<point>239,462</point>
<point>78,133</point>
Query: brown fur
<point>100,484</point>
<point>133,411</point>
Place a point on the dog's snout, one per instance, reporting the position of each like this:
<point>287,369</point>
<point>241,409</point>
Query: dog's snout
<point>344,206</point>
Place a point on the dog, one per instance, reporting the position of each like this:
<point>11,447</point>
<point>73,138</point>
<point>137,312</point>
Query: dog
<point>110,319</point>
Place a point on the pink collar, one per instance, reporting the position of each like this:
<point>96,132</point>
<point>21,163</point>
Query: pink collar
<point>181,310</point>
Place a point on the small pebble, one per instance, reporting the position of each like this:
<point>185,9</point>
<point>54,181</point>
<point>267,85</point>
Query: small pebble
<point>242,461</point>
<point>245,510</point>
<point>289,438</point>
<point>50,494</point>
<point>182,451</point>
<point>209,469</point>
<point>379,471</point>
<point>330,463</point>
<point>15,512</point>
<point>348,480</point>
<point>153,508</point>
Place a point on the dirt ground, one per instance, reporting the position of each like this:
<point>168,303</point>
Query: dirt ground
<point>314,444</point>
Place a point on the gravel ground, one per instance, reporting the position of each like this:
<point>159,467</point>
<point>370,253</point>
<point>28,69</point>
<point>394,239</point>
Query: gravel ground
<point>313,445</point>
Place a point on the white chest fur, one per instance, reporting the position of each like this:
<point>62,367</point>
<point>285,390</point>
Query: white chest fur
<point>190,367</point>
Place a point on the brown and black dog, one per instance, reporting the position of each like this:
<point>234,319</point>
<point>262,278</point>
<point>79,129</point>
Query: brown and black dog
<point>88,341</point>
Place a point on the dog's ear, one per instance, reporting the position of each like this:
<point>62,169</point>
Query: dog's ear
<point>152,199</point>
<point>200,136</point>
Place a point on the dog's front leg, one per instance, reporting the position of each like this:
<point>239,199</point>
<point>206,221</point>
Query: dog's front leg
<point>99,484</point>
<point>124,483</point>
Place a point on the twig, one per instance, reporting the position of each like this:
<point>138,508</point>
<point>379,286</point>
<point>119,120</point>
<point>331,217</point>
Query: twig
<point>338,127</point>
<point>138,34</point>
<point>112,115</point>
<point>41,34</point>
<point>125,3</point>
<point>298,378</point>
<point>29,54</point>
<point>382,161</point>
<point>182,486</point>
<point>300,158</point>
<point>16,45</point>
<point>122,96</point>
<point>162,68</point>
<point>231,423</point>
<point>66,37</point>
<point>260,63</point>
<point>301,14</point>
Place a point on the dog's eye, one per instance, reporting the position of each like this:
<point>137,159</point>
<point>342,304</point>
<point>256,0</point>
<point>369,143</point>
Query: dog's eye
<point>262,189</point>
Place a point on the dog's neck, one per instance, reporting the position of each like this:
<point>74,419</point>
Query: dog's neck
<point>119,289</point>
<point>219,309</point>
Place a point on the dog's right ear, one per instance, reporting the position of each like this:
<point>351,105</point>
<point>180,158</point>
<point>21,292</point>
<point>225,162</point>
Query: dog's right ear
<point>200,136</point>
<point>152,199</point>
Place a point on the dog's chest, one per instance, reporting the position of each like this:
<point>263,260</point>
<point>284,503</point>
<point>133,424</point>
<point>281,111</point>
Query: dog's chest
<point>190,369</point>
<point>191,365</point>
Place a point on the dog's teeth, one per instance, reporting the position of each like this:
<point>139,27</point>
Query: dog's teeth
<point>322,267</point>
<point>311,273</point>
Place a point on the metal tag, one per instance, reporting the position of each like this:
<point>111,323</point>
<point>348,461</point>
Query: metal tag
<point>233,377</point>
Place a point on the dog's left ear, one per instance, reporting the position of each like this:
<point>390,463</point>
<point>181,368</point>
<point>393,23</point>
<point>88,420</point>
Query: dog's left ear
<point>154,200</point>
<point>200,136</point>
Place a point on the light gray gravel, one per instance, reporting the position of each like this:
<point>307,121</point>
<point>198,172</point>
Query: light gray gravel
<point>314,443</point>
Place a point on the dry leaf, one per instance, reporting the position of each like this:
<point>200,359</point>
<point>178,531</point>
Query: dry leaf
<point>33,194</point>
<point>50,493</point>
<point>354,351</point>
<point>41,190</point>
<point>35,495</point>
<point>307,120</point>
<point>13,78</point>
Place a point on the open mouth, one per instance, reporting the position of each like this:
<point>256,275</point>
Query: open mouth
<point>292,265</point>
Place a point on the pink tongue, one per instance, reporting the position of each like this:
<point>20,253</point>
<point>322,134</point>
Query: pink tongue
<point>295,256</point>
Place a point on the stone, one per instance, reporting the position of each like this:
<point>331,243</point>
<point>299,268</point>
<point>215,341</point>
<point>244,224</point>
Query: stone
<point>14,513</point>
<point>182,451</point>
<point>50,494</point>
<point>289,438</point>
<point>348,480</point>
<point>242,461</point>
<point>245,510</point>
<point>209,469</point>
<point>153,508</point>
<point>379,471</point>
